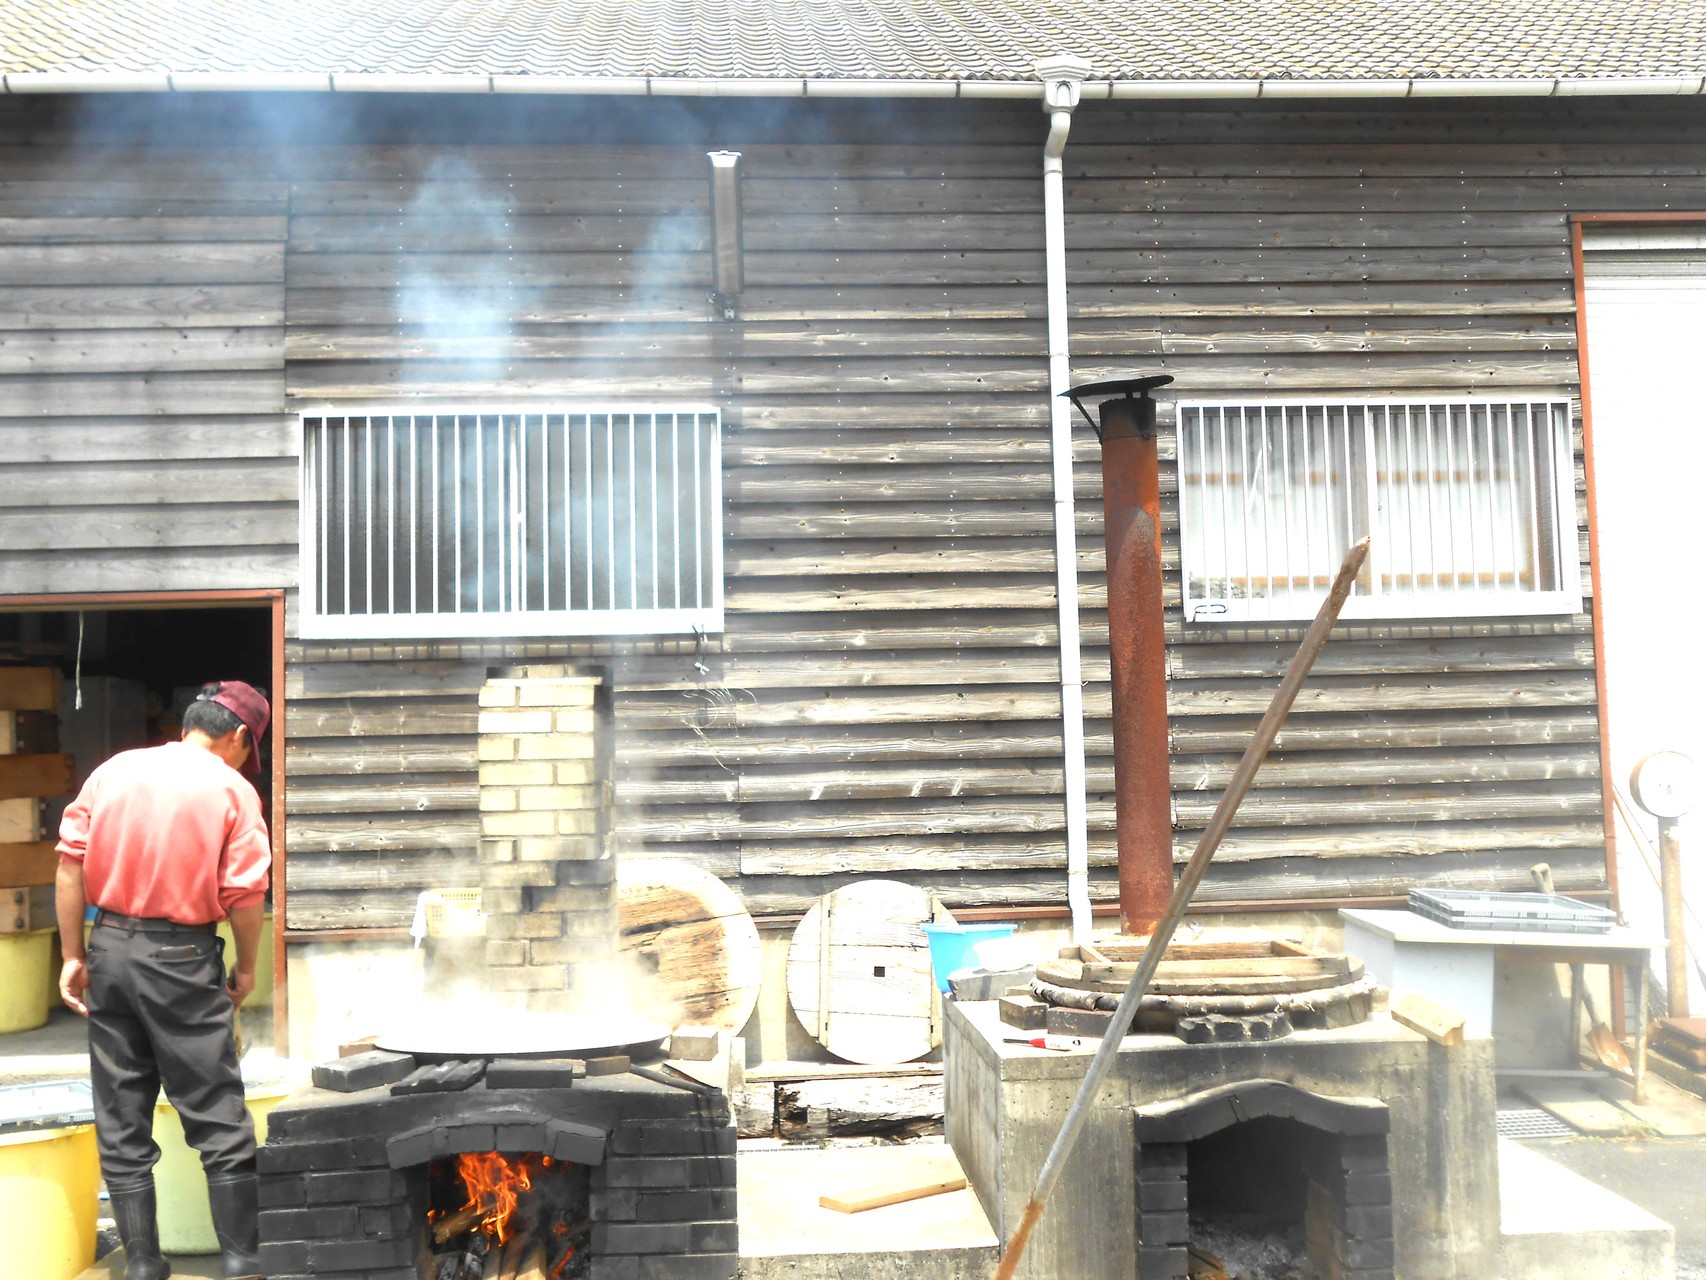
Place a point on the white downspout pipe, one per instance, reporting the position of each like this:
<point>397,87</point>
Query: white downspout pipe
<point>1063,83</point>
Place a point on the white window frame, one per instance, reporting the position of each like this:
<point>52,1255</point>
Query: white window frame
<point>515,539</point>
<point>1490,544</point>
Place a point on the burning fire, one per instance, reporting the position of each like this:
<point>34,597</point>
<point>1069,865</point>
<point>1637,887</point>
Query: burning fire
<point>524,1215</point>
<point>494,1184</point>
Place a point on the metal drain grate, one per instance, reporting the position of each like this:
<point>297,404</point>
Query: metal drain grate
<point>1532,1122</point>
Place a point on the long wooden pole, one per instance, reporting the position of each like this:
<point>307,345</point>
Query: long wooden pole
<point>1301,662</point>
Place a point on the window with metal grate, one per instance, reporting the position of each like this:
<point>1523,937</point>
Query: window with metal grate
<point>1471,504</point>
<point>595,520</point>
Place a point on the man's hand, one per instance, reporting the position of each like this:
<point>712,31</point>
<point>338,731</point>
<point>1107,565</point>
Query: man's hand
<point>239,985</point>
<point>73,985</point>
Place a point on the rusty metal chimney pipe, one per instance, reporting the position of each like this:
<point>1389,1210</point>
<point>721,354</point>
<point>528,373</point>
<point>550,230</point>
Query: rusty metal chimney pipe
<point>1137,658</point>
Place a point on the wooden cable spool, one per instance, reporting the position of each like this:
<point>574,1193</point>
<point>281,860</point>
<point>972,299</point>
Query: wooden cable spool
<point>693,949</point>
<point>859,973</point>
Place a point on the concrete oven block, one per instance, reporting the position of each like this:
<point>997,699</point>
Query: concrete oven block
<point>534,1073</point>
<point>578,1142</point>
<point>694,1044</point>
<point>1004,1104</point>
<point>361,1071</point>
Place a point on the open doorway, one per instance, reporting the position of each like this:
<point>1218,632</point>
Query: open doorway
<point>127,668</point>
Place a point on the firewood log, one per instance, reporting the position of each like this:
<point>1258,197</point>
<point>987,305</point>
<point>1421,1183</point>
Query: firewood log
<point>511,1257</point>
<point>452,1225</point>
<point>532,1263</point>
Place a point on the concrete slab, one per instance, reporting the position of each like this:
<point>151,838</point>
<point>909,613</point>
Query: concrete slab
<point>59,1050</point>
<point>784,1233</point>
<point>184,1267</point>
<point>1580,1106</point>
<point>1556,1225</point>
<point>1669,1111</point>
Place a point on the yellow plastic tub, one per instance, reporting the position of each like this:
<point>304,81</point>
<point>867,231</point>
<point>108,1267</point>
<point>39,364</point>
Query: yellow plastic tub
<point>180,1186</point>
<point>26,963</point>
<point>49,1183</point>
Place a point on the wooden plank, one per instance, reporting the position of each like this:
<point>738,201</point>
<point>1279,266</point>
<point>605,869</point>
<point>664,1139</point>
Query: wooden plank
<point>335,305</point>
<point>162,264</point>
<point>35,775</point>
<point>429,793</point>
<point>140,230</point>
<point>140,350</point>
<point>26,909</point>
<point>247,392</point>
<point>360,872</point>
<point>141,306</point>
<point>361,756</point>
<point>166,483</point>
<point>874,1193</point>
<point>1441,1025</point>
<point>692,340</point>
<point>233,567</point>
<point>33,863</point>
<point>20,821</point>
<point>29,689</point>
<point>127,528</point>
<point>105,440</point>
<point>417,230</point>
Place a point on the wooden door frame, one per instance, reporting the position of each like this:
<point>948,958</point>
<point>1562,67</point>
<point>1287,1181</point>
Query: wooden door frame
<point>270,598</point>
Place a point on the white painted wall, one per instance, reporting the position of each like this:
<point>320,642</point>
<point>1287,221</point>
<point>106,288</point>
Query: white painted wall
<point>1646,323</point>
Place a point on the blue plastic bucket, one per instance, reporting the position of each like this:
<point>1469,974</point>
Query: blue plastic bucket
<point>951,944</point>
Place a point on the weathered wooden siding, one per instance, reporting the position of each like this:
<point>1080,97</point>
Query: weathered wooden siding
<point>886,692</point>
<point>143,439</point>
<point>885,700</point>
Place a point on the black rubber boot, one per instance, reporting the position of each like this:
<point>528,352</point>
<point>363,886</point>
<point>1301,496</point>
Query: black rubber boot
<point>138,1228</point>
<point>232,1197</point>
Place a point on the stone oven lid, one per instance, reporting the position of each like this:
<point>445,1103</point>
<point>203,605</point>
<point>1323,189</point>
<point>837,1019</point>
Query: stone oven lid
<point>506,1035</point>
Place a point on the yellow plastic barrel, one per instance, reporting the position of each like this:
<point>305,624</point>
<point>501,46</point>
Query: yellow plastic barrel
<point>180,1186</point>
<point>26,961</point>
<point>49,1187</point>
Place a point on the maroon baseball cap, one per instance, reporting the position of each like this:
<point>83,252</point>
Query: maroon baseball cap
<point>246,703</point>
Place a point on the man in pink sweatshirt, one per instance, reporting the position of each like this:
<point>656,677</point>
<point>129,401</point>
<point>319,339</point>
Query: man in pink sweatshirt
<point>165,842</point>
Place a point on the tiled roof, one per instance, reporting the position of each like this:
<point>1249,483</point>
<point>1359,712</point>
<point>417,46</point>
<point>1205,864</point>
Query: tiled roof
<point>863,39</point>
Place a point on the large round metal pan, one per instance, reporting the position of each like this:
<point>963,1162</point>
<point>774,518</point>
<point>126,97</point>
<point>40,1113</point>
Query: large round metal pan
<point>505,1035</point>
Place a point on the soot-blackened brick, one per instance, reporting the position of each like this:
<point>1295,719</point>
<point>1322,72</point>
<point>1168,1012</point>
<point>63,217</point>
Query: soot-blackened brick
<point>361,1071</point>
<point>1161,1229</point>
<point>360,1255</point>
<point>689,1266</point>
<point>639,1237</point>
<point>713,1237</point>
<point>578,1142</point>
<point>672,1138</point>
<point>280,1256</point>
<point>282,1193</point>
<point>323,1222</point>
<point>1166,1196</point>
<point>353,1186</point>
<point>1163,1264</point>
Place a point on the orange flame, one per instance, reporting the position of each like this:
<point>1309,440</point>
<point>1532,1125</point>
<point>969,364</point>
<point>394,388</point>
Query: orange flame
<point>494,1183</point>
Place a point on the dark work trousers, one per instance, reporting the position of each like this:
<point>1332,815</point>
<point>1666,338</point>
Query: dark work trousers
<point>159,1015</point>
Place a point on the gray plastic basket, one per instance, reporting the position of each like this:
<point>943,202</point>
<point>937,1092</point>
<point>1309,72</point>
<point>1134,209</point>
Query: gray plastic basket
<point>53,1104</point>
<point>1539,912</point>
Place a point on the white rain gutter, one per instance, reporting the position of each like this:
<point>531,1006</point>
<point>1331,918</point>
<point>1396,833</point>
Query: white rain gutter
<point>801,87</point>
<point>1062,79</point>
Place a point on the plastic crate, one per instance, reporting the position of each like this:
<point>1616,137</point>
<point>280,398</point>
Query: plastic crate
<point>452,913</point>
<point>1536,912</point>
<point>53,1104</point>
